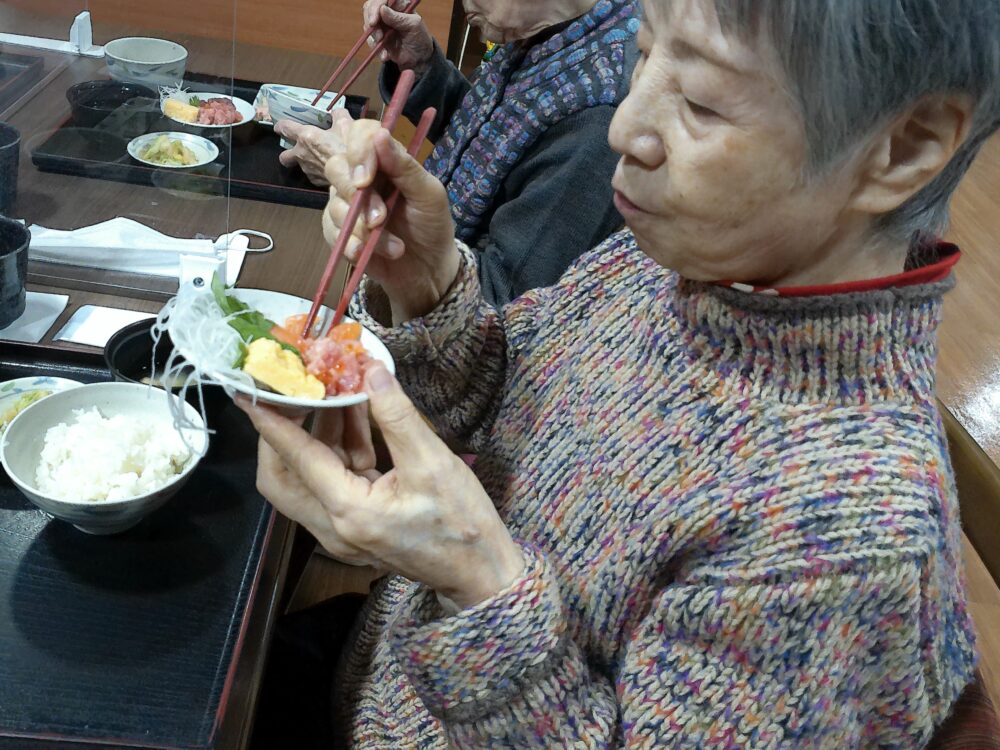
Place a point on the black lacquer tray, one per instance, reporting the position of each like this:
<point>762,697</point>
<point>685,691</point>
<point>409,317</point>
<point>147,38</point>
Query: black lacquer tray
<point>129,640</point>
<point>247,166</point>
<point>17,74</point>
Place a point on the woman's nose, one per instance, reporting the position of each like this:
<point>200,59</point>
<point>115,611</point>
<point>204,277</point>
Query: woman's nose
<point>633,133</point>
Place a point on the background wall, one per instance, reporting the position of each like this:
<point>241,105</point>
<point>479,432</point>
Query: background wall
<point>321,26</point>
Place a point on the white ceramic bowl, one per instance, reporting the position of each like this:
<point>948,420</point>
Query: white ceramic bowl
<point>21,446</point>
<point>140,59</point>
<point>277,307</point>
<point>244,108</point>
<point>295,103</point>
<point>204,150</point>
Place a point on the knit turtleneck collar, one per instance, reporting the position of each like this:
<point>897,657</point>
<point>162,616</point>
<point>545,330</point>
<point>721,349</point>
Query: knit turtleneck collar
<point>844,348</point>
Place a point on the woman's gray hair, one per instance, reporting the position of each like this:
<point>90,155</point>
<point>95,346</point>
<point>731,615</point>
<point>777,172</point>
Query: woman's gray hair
<point>855,64</point>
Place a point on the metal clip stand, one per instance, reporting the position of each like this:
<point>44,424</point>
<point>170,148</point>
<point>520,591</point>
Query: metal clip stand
<point>198,270</point>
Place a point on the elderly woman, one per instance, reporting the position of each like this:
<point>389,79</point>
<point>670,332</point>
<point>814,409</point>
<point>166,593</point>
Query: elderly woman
<point>523,147</point>
<point>713,505</point>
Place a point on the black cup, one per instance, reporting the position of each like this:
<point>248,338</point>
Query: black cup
<point>14,238</point>
<point>10,155</point>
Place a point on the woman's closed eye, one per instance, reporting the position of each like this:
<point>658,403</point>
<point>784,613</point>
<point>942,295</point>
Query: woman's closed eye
<point>701,111</point>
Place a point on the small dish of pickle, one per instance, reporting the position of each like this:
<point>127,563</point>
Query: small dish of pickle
<point>173,150</point>
<point>17,395</point>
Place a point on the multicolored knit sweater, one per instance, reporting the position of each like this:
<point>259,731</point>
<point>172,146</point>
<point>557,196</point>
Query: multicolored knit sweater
<point>737,512</point>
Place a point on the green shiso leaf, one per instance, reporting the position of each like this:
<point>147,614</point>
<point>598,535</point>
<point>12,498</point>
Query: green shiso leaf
<point>249,324</point>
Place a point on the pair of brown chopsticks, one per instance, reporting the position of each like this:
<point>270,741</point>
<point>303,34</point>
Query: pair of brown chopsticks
<point>358,203</point>
<point>386,36</point>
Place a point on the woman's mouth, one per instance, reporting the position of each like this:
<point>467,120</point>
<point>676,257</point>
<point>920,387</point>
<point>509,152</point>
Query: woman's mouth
<point>626,207</point>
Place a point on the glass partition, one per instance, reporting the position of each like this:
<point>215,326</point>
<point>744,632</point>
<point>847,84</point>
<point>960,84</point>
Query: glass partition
<point>96,144</point>
<point>85,84</point>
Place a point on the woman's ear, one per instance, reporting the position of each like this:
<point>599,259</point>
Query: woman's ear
<point>911,152</point>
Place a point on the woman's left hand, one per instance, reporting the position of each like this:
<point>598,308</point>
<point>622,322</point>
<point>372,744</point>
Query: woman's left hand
<point>313,146</point>
<point>428,519</point>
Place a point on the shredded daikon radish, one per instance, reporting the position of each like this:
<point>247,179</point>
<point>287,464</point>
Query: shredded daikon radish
<point>205,348</point>
<point>176,92</point>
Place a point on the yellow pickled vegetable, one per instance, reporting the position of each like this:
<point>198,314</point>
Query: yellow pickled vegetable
<point>26,400</point>
<point>169,152</point>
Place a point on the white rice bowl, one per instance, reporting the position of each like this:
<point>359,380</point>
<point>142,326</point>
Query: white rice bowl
<point>82,473</point>
<point>95,458</point>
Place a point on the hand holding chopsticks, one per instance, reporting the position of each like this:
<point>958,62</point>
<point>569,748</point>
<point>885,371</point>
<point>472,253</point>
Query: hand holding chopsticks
<point>423,128</point>
<point>387,36</point>
<point>407,244</point>
<point>359,201</point>
<point>411,47</point>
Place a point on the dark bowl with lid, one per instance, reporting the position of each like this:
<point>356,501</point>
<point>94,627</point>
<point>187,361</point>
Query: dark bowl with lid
<point>93,101</point>
<point>129,354</point>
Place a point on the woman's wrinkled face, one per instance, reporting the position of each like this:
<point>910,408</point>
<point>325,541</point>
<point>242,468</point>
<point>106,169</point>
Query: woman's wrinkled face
<point>504,21</point>
<point>713,155</point>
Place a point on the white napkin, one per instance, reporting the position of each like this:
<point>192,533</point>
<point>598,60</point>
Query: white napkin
<point>40,312</point>
<point>93,325</point>
<point>126,245</point>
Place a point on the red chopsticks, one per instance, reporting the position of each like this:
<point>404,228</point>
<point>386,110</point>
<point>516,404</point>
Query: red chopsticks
<point>360,199</point>
<point>387,34</point>
<point>423,128</point>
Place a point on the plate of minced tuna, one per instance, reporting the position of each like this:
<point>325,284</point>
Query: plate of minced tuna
<point>205,110</point>
<point>252,341</point>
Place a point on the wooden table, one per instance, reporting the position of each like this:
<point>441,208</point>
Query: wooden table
<point>969,371</point>
<point>65,202</point>
<point>969,362</point>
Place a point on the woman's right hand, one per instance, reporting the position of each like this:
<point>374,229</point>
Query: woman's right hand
<point>411,47</point>
<point>416,260</point>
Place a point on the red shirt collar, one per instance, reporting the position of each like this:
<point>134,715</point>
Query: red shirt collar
<point>947,256</point>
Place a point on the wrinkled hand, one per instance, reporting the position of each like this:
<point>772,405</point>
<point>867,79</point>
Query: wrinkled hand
<point>345,432</point>
<point>313,146</point>
<point>416,261</point>
<point>428,519</point>
<point>411,47</point>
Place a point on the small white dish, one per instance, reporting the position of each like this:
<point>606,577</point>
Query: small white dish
<point>204,150</point>
<point>13,390</point>
<point>139,59</point>
<point>21,446</point>
<point>295,103</point>
<point>278,307</point>
<point>244,108</point>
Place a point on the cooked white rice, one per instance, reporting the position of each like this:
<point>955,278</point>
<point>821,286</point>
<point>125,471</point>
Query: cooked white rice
<point>109,458</point>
